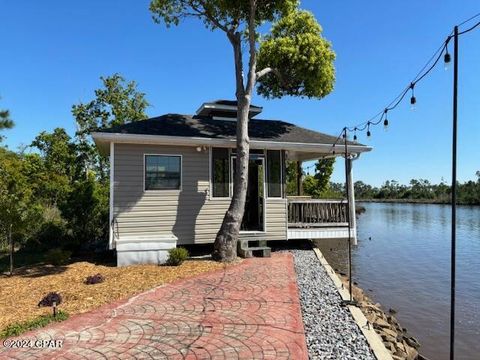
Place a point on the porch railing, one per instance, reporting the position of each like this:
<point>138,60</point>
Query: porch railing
<point>316,213</point>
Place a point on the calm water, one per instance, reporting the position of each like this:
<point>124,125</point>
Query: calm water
<point>403,261</point>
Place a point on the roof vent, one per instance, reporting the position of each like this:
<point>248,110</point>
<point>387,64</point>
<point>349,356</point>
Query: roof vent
<point>225,109</point>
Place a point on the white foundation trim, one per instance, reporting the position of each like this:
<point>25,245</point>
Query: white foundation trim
<point>144,249</point>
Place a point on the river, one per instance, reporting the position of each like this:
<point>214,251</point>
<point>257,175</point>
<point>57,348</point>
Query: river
<point>403,261</point>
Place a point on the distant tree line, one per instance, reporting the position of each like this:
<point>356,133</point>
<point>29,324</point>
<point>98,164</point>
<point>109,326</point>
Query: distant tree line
<point>418,190</point>
<point>421,190</point>
<point>54,193</point>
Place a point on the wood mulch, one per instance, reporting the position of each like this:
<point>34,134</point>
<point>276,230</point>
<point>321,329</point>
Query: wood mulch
<point>20,294</point>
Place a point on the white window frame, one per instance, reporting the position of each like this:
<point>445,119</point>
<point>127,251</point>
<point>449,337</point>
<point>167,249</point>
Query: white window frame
<point>145,172</point>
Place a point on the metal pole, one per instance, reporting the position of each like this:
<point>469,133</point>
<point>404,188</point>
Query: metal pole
<point>454,196</point>
<point>347,189</point>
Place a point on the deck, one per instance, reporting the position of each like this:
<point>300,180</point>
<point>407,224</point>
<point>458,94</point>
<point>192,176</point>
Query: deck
<point>318,219</point>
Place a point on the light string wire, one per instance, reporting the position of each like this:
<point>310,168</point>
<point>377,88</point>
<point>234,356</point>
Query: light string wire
<point>424,71</point>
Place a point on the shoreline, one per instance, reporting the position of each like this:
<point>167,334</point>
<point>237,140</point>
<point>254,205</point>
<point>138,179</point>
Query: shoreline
<point>398,341</point>
<point>392,337</point>
<point>411,201</point>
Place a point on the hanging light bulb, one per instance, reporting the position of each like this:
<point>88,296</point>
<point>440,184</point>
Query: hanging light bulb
<point>369,134</point>
<point>385,121</point>
<point>333,151</point>
<point>355,135</point>
<point>447,59</point>
<point>413,99</point>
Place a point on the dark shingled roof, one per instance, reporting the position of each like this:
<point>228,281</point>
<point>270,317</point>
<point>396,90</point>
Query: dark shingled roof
<point>206,127</point>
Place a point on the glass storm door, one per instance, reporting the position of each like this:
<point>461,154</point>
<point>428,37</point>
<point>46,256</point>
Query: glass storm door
<point>253,218</point>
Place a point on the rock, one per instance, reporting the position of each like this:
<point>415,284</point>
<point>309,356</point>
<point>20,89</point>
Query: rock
<point>390,333</point>
<point>390,339</point>
<point>392,311</point>
<point>381,323</point>
<point>412,354</point>
<point>371,317</point>
<point>411,341</point>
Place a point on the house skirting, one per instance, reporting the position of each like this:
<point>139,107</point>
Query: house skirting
<point>144,249</point>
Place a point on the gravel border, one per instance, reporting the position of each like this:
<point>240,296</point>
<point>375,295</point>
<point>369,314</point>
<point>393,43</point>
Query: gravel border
<point>330,330</point>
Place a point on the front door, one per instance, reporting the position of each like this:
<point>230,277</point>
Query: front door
<point>254,204</point>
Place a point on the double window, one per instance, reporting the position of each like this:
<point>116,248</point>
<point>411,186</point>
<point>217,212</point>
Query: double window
<point>221,172</point>
<point>163,172</point>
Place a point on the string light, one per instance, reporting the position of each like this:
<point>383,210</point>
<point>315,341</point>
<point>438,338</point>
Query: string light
<point>447,58</point>
<point>442,52</point>
<point>413,99</point>
<point>385,122</point>
<point>428,67</point>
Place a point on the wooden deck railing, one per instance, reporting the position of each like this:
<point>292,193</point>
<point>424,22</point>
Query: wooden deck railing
<point>317,213</point>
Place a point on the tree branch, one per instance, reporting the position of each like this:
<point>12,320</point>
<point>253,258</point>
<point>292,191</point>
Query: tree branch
<point>236,41</point>
<point>210,17</point>
<point>266,71</point>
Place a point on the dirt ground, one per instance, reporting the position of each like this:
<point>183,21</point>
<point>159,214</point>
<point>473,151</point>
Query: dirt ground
<point>20,294</point>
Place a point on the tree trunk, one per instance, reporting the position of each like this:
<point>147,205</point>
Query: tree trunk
<point>225,247</point>
<point>299,178</point>
<point>10,240</point>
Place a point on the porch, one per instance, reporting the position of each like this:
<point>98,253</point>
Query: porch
<point>319,219</point>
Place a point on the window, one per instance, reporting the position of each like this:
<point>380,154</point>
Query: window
<point>220,173</point>
<point>274,173</point>
<point>163,172</point>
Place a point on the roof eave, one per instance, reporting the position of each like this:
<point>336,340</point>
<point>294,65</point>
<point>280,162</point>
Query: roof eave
<point>103,139</point>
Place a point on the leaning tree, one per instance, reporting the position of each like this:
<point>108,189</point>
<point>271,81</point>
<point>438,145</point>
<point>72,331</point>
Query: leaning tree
<point>292,59</point>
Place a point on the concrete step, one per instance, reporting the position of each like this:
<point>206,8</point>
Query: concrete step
<point>245,244</point>
<point>247,251</point>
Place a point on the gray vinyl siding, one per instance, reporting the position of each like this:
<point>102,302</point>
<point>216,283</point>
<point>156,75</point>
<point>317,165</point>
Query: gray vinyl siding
<point>188,213</point>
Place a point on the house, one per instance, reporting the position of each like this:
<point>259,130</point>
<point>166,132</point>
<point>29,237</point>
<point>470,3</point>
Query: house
<point>171,181</point>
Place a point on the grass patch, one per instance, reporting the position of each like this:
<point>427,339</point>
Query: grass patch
<point>18,328</point>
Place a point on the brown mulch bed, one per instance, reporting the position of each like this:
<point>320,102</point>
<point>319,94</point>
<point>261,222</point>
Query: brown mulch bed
<point>20,294</point>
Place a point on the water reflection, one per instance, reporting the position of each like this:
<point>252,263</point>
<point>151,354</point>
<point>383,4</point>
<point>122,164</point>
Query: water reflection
<point>403,258</point>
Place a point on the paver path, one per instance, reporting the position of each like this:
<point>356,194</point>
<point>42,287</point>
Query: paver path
<point>248,311</point>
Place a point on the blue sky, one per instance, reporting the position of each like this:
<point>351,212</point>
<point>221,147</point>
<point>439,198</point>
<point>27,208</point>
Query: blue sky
<point>53,52</point>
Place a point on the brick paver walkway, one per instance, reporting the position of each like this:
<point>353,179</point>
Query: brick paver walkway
<point>248,311</point>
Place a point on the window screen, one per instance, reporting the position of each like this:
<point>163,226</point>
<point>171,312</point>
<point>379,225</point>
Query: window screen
<point>274,173</point>
<point>220,173</point>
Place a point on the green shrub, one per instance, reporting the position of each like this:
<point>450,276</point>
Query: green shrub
<point>57,256</point>
<point>51,235</point>
<point>177,256</point>
<point>18,328</point>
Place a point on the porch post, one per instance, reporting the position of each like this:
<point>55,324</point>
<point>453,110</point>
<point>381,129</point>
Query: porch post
<point>111,232</point>
<point>351,202</point>
<point>299,179</point>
